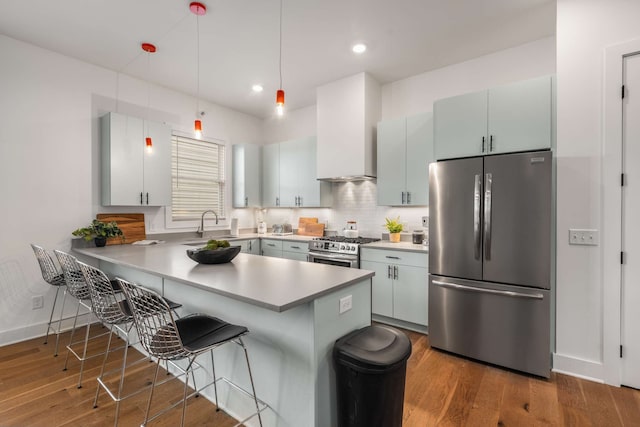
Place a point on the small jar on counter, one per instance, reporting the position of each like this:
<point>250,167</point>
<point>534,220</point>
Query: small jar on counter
<point>418,237</point>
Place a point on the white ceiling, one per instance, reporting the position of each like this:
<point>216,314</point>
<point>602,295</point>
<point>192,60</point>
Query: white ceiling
<point>239,40</point>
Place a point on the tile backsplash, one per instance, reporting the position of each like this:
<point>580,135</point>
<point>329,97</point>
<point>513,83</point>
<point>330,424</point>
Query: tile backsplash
<point>352,201</point>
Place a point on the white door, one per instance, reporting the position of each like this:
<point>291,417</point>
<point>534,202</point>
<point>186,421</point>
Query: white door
<point>630,292</point>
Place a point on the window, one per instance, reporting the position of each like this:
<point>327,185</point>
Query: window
<point>197,175</point>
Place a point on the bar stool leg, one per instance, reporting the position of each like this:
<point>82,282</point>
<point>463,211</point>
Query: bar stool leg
<point>104,362</point>
<point>186,387</point>
<point>73,331</point>
<point>64,298</point>
<point>84,354</point>
<point>120,386</point>
<point>215,383</point>
<point>153,386</point>
<point>253,388</point>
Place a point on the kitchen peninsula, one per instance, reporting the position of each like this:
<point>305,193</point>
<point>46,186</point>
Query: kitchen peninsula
<point>291,309</point>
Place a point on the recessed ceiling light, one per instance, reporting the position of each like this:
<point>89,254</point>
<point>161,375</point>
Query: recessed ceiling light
<point>359,48</point>
<point>257,88</point>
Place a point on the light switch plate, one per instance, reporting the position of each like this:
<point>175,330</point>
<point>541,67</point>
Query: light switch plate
<point>587,237</point>
<point>346,303</point>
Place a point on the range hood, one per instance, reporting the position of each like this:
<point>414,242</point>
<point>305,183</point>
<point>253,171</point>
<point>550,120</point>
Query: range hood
<point>347,113</point>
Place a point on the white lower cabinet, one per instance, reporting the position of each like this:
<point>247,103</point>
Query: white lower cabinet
<point>295,250</point>
<point>249,246</point>
<point>272,248</point>
<point>400,285</point>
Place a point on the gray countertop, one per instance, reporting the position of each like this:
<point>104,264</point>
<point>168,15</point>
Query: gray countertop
<point>274,283</point>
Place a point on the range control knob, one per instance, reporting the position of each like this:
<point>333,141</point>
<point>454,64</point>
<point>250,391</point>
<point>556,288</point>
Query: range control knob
<point>343,247</point>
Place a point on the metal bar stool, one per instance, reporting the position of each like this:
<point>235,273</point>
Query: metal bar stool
<point>77,288</point>
<point>166,338</point>
<point>113,313</point>
<point>116,314</point>
<point>54,277</point>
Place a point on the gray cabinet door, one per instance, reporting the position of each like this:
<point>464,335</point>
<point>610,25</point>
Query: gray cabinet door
<point>455,194</point>
<point>289,177</point>
<point>518,240</point>
<point>460,125</point>
<point>391,152</point>
<point>419,154</point>
<point>520,116</point>
<point>381,288</point>
<point>410,296</point>
<point>308,185</point>
<point>247,167</point>
<point>270,175</point>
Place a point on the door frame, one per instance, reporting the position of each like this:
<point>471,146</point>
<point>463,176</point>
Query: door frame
<point>612,209</point>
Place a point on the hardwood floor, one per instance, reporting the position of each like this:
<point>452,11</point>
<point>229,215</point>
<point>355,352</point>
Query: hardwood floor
<point>441,390</point>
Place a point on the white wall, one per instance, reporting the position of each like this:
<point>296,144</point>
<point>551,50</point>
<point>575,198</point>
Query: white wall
<point>49,163</point>
<point>585,29</point>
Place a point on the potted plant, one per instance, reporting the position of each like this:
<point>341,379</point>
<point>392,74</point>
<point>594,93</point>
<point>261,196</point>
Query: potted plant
<point>99,231</point>
<point>394,227</point>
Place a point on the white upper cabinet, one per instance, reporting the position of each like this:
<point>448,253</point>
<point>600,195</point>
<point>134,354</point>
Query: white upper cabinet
<point>247,171</point>
<point>292,181</point>
<point>514,117</point>
<point>405,149</point>
<point>131,174</point>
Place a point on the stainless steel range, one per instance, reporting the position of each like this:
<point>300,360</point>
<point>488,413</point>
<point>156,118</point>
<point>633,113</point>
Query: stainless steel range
<point>337,250</point>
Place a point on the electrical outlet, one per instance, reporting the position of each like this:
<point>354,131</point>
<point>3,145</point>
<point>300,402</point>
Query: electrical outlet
<point>583,237</point>
<point>346,304</point>
<point>37,302</point>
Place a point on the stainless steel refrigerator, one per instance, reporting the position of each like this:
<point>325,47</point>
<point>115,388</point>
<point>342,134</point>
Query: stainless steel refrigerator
<point>490,259</point>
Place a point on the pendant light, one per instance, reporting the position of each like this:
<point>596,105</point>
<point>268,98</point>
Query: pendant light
<point>149,48</point>
<point>280,92</point>
<point>197,9</point>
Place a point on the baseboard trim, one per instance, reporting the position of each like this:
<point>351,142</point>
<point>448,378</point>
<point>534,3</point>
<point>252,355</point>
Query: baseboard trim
<point>25,333</point>
<point>400,323</point>
<point>576,367</point>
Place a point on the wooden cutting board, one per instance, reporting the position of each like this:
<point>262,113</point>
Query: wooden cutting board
<point>132,225</point>
<point>310,227</point>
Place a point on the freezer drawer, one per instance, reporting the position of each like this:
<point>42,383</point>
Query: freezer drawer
<point>500,324</point>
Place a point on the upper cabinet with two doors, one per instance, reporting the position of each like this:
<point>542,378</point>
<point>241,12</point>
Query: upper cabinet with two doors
<point>509,118</point>
<point>405,149</point>
<point>133,174</point>
<point>289,175</point>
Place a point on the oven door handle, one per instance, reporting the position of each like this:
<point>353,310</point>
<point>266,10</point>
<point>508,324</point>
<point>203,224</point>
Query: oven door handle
<point>328,255</point>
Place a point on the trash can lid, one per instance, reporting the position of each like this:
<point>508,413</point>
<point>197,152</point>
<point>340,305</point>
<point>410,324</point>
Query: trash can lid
<point>375,347</point>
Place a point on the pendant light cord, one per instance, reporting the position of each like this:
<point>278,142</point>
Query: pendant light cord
<point>198,66</point>
<point>280,44</point>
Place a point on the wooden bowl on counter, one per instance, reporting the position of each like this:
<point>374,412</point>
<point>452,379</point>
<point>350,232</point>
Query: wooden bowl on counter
<point>213,256</point>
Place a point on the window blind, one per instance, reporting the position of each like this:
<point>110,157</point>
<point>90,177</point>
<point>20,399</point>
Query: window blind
<point>197,172</point>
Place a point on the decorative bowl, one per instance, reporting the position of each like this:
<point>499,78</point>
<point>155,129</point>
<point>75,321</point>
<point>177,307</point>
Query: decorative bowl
<point>213,256</point>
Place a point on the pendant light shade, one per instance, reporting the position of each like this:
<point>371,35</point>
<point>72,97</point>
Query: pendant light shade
<point>149,48</point>
<point>197,9</point>
<point>197,128</point>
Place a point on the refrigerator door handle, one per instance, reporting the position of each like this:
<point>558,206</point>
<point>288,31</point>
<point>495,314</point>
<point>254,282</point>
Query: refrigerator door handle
<point>487,216</point>
<point>486,291</point>
<point>476,217</point>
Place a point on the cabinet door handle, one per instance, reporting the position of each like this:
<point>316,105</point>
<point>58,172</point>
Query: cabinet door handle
<point>490,143</point>
<point>250,244</point>
<point>295,247</point>
<point>408,197</point>
<point>141,198</point>
<point>395,272</point>
<point>246,201</point>
<point>483,144</point>
<point>271,244</point>
<point>147,198</point>
<point>300,200</point>
<point>403,199</point>
<point>388,272</point>
<point>277,201</point>
<point>392,257</point>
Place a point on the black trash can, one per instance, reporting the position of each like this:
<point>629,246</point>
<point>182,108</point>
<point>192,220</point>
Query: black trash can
<point>370,368</point>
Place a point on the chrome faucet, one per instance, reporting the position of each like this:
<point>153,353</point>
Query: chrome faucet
<point>201,229</point>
